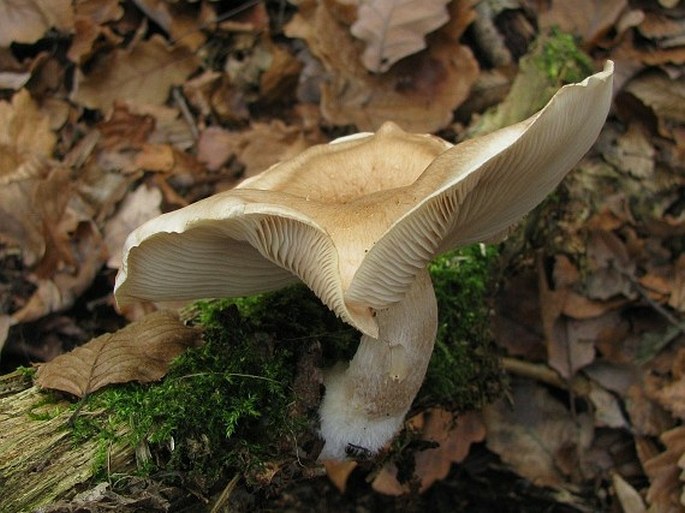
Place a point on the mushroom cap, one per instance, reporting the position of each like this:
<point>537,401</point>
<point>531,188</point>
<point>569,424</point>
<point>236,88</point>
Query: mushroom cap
<point>357,219</point>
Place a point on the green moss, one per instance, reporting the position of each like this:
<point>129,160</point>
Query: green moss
<point>560,59</point>
<point>552,61</point>
<point>464,371</point>
<point>249,394</point>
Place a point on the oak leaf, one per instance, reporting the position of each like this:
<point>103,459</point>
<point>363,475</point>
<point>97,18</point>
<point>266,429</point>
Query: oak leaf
<point>453,437</point>
<point>393,29</point>
<point>139,352</point>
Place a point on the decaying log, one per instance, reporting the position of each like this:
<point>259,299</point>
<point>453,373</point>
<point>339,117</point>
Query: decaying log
<point>40,460</point>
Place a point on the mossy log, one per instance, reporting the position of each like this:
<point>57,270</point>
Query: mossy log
<point>243,403</point>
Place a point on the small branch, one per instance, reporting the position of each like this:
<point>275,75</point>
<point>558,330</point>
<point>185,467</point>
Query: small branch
<point>578,385</point>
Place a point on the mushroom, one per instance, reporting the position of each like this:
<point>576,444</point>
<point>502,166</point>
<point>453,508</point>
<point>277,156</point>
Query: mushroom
<point>357,220</point>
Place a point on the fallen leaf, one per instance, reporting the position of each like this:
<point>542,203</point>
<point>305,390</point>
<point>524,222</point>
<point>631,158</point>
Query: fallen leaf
<point>568,347</point>
<point>30,210</point>
<point>91,17</point>
<point>339,471</point>
<point>631,152</point>
<point>677,299</point>
<point>516,323</point>
<point>257,148</point>
<point>139,352</point>
<point>177,21</point>
<point>351,95</point>
<point>454,436</point>
<point>608,409</point>
<point>138,206</point>
<point>664,472</point>
<point>25,21</point>
<point>589,19</point>
<point>629,498</point>
<point>142,73</point>
<point>662,94</point>
<point>5,323</point>
<point>26,139</point>
<point>68,280</point>
<point>611,267</point>
<point>647,417</point>
<point>393,29</point>
<point>538,436</point>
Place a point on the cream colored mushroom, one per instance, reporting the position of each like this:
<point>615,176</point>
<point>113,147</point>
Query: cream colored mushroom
<point>357,221</point>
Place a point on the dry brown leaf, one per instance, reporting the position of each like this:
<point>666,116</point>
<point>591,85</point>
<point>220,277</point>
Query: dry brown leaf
<point>454,436</point>
<point>142,74</point>
<point>568,347</point>
<point>70,277</point>
<point>177,21</point>
<point>139,352</point>
<point>393,29</point>
<point>611,267</point>
<point>89,25</point>
<point>30,210</point>
<point>589,19</point>
<point>664,472</point>
<point>256,148</point>
<point>5,323</point>
<point>339,471</point>
<point>351,95</point>
<point>677,299</point>
<point>665,96</point>
<point>25,138</point>
<point>666,31</point>
<point>631,152</point>
<point>516,324</point>
<point>25,21</point>
<point>629,498</point>
<point>538,436</point>
<point>647,418</point>
<point>137,207</point>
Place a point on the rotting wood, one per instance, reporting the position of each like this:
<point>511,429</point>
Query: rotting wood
<point>40,461</point>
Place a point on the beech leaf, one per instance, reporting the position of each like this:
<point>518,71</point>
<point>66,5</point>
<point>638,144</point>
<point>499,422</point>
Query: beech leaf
<point>25,21</point>
<point>142,74</point>
<point>393,29</point>
<point>139,352</point>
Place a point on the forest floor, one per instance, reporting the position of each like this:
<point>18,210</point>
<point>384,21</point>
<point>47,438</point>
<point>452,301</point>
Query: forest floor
<point>114,111</point>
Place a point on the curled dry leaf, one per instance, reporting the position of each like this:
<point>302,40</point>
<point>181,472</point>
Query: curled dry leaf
<point>393,29</point>
<point>454,436</point>
<point>538,436</point>
<point>139,352</point>
<point>664,472</point>
<point>25,21</point>
<point>25,138</point>
<point>137,207</point>
<point>142,74</point>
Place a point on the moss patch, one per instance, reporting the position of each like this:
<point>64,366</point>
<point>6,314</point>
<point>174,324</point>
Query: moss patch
<point>246,400</point>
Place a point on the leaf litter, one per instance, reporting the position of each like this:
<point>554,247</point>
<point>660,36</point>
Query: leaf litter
<point>142,106</point>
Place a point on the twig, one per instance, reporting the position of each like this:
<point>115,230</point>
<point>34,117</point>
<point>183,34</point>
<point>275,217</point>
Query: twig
<point>225,495</point>
<point>578,384</point>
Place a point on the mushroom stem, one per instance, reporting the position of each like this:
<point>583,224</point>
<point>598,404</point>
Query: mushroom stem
<point>366,401</point>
